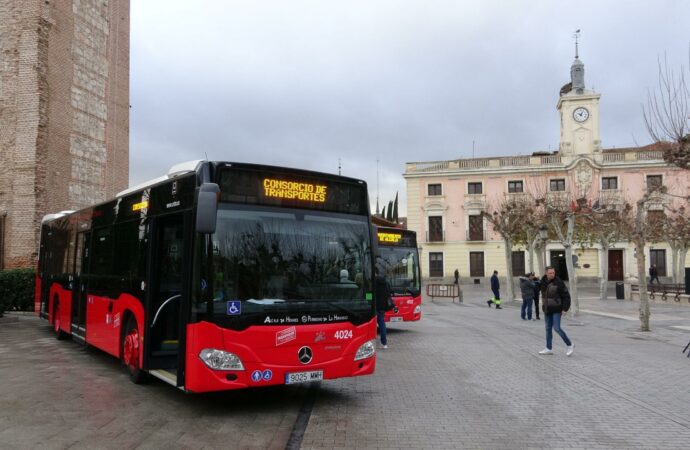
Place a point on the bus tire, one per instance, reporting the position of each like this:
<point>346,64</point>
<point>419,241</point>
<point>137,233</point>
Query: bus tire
<point>130,351</point>
<point>59,334</point>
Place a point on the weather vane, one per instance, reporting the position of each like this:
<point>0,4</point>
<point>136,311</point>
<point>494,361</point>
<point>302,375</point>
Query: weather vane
<point>576,35</point>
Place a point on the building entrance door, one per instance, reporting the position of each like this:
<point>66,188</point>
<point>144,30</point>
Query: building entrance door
<point>615,265</point>
<point>558,263</point>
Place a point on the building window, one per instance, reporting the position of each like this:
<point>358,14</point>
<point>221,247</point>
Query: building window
<point>654,182</point>
<point>557,185</point>
<point>609,183</point>
<point>474,188</point>
<point>436,264</point>
<point>435,189</point>
<point>476,231</point>
<point>514,187</point>
<point>476,264</point>
<point>518,260</point>
<point>658,259</point>
<point>435,229</point>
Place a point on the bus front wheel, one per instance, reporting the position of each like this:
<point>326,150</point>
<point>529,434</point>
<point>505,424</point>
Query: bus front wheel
<point>130,351</point>
<point>59,334</point>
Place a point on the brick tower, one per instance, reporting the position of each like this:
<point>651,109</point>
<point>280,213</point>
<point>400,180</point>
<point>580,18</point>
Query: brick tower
<point>64,113</point>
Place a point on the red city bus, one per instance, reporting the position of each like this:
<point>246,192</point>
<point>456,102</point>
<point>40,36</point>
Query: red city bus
<point>398,256</point>
<point>218,276</point>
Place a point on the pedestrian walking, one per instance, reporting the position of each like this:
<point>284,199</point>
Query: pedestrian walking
<point>527,291</point>
<point>537,291</point>
<point>495,289</point>
<point>555,302</point>
<point>457,276</point>
<point>382,289</point>
<point>653,274</point>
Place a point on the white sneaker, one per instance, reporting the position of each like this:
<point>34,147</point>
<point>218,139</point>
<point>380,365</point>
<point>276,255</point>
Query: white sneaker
<point>571,349</point>
<point>385,346</point>
<point>546,351</point>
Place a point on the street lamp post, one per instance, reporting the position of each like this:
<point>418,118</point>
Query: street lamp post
<point>544,236</point>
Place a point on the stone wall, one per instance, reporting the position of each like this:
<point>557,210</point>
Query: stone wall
<point>64,112</point>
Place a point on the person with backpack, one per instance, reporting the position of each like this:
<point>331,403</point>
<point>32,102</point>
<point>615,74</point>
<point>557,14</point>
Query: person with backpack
<point>527,291</point>
<point>555,302</point>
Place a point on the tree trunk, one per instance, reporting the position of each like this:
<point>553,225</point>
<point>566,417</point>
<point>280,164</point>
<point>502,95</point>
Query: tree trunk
<point>509,268</point>
<point>674,262</point>
<point>682,254</point>
<point>604,282</point>
<point>572,274</point>
<point>533,248</point>
<point>642,276</point>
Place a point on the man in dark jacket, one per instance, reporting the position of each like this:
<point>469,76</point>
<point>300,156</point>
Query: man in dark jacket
<point>382,290</point>
<point>653,274</point>
<point>537,292</point>
<point>495,289</point>
<point>555,301</point>
<point>527,291</point>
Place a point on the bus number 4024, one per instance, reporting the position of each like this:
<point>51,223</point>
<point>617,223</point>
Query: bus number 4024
<point>343,334</point>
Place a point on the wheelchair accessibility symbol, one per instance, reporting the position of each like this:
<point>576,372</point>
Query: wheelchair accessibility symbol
<point>234,308</point>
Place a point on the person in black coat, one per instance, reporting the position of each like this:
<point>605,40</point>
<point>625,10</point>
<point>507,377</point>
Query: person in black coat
<point>555,302</point>
<point>537,292</point>
<point>382,290</point>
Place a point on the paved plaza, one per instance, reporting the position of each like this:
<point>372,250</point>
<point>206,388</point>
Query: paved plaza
<point>466,376</point>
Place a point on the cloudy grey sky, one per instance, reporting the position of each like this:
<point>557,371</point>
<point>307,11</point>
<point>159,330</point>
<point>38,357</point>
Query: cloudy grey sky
<point>306,83</point>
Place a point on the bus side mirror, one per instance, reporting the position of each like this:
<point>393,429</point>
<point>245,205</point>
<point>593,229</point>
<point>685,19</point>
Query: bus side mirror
<point>207,208</point>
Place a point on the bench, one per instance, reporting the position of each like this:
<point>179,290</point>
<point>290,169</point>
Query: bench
<point>663,291</point>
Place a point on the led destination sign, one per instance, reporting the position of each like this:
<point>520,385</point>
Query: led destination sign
<point>275,186</point>
<point>293,190</point>
<point>392,238</point>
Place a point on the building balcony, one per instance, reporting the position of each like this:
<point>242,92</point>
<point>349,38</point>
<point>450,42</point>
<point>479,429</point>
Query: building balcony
<point>435,236</point>
<point>611,199</point>
<point>475,235</point>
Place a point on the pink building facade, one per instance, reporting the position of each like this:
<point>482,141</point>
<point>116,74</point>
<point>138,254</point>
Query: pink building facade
<point>446,198</point>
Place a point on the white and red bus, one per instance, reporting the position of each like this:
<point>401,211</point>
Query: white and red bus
<point>218,276</point>
<point>398,256</point>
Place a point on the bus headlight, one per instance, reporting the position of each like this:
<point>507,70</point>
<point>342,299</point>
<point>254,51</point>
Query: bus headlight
<point>418,309</point>
<point>220,360</point>
<point>366,350</point>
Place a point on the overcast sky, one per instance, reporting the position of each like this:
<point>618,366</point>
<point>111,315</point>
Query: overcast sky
<point>306,83</point>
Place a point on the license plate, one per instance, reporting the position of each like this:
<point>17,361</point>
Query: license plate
<point>396,319</point>
<point>303,377</point>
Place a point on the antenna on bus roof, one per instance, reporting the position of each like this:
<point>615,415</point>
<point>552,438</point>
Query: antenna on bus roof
<point>206,155</point>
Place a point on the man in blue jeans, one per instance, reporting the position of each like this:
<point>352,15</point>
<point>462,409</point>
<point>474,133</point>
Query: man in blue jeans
<point>555,302</point>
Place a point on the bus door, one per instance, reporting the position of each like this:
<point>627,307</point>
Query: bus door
<point>81,261</point>
<point>165,307</point>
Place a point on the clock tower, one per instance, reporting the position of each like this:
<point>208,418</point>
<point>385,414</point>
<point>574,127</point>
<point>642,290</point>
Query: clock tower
<point>579,109</point>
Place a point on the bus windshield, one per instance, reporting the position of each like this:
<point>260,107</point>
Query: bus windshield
<point>401,267</point>
<point>277,266</point>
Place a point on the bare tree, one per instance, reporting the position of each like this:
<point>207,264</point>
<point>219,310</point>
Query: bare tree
<point>507,217</point>
<point>562,216</point>
<point>605,223</point>
<point>667,114</point>
<point>676,230</point>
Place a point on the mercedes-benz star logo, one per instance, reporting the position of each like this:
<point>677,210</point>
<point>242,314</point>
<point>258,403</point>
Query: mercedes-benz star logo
<point>304,355</point>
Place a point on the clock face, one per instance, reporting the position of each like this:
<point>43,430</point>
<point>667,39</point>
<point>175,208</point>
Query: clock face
<point>580,114</point>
